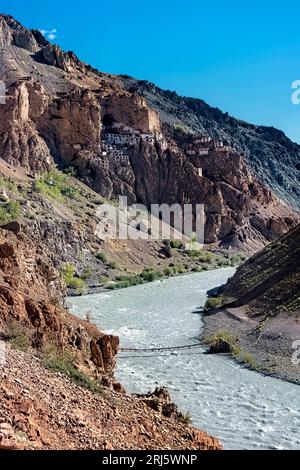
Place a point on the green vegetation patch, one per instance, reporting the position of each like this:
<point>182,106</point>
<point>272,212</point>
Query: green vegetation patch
<point>101,256</point>
<point>56,185</point>
<point>18,336</point>
<point>214,303</point>
<point>8,184</point>
<point>63,362</point>
<point>185,418</point>
<point>224,336</point>
<point>9,211</point>
<point>68,274</point>
<point>176,244</point>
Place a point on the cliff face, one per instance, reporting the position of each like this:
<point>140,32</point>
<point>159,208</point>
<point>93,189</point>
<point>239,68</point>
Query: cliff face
<point>124,137</point>
<point>29,287</point>
<point>267,151</point>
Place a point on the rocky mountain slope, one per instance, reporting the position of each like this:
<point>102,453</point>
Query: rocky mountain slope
<point>267,151</point>
<point>29,287</point>
<point>57,389</point>
<point>262,303</point>
<point>60,110</point>
<point>269,282</point>
<point>60,214</point>
<point>42,410</point>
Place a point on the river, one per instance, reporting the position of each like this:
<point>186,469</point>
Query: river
<point>245,409</point>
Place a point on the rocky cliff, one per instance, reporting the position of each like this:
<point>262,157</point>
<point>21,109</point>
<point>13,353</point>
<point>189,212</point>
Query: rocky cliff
<point>128,137</point>
<point>81,407</point>
<point>30,287</point>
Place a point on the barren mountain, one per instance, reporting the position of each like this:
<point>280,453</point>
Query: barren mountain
<point>267,151</point>
<point>261,314</point>
<point>270,280</point>
<point>128,137</point>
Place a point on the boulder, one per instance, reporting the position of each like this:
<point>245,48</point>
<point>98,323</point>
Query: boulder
<point>221,347</point>
<point>14,227</point>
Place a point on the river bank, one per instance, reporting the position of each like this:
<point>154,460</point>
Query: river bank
<point>267,348</point>
<point>244,409</point>
<point>177,262</point>
<point>256,315</point>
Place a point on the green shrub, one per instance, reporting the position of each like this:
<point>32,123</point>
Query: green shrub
<point>222,262</point>
<point>196,254</point>
<point>63,363</point>
<point>225,336</point>
<point>185,418</point>
<point>150,274</point>
<point>69,192</point>
<point>8,184</point>
<point>123,284</point>
<point>196,269</point>
<point>237,259</point>
<point>18,335</point>
<point>236,351</point>
<point>181,269</point>
<point>77,283</point>
<point>113,265</point>
<point>176,244</point>
<point>10,211</point>
<point>72,282</point>
<point>104,280</point>
<point>20,342</point>
<point>250,361</point>
<point>213,302</point>
<point>87,274</point>
<point>181,128</point>
<point>168,272</point>
<point>101,256</point>
<point>71,171</point>
<point>111,285</point>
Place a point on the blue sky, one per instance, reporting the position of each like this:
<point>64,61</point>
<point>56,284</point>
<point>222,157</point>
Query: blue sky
<point>242,59</point>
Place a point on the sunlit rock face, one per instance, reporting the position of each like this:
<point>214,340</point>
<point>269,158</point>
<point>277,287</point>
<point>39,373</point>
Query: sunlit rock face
<point>130,138</point>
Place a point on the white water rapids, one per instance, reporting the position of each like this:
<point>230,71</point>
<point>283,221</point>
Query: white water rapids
<point>245,409</point>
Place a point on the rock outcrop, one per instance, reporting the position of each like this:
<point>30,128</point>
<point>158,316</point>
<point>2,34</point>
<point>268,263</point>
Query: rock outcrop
<point>30,288</point>
<point>268,152</point>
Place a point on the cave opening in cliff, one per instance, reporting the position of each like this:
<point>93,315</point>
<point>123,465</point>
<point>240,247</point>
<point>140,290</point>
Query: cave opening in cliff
<point>108,120</point>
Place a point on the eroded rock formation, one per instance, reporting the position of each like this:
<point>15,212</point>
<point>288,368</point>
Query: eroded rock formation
<point>29,288</point>
<point>59,110</point>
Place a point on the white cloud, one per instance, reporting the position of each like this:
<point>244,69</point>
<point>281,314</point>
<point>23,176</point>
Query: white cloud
<point>49,34</point>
